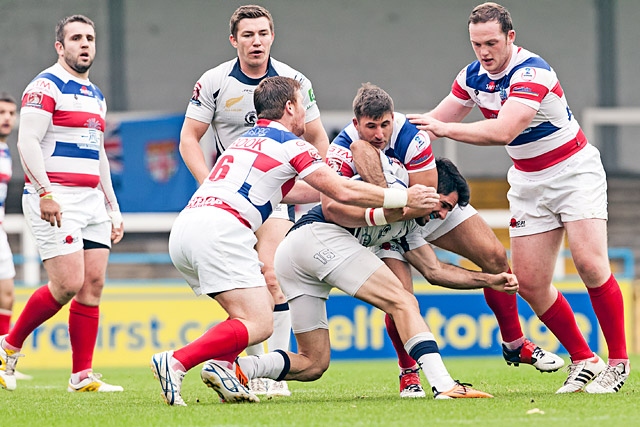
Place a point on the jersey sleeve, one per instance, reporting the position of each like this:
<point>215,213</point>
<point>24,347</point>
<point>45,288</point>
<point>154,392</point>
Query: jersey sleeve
<point>460,90</point>
<point>202,105</point>
<point>529,85</point>
<point>340,160</point>
<point>312,111</point>
<point>305,158</point>
<point>419,154</point>
<point>40,97</point>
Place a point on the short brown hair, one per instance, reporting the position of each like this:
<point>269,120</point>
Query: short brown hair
<point>371,101</point>
<point>490,11</point>
<point>69,19</point>
<point>272,94</point>
<point>250,11</point>
<point>6,97</point>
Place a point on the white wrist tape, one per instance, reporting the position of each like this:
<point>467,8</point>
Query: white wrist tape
<point>375,216</point>
<point>395,198</point>
<point>116,219</point>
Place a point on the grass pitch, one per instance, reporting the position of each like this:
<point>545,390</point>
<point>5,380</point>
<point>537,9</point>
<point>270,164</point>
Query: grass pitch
<point>353,393</point>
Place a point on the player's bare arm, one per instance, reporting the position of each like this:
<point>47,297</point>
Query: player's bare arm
<point>190,150</point>
<point>316,135</point>
<point>301,193</point>
<point>437,273</point>
<point>362,194</point>
<point>513,119</point>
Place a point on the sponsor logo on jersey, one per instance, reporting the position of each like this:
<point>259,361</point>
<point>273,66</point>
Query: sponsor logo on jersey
<point>524,90</point>
<point>233,101</point>
<point>312,96</point>
<point>86,91</point>
<point>161,159</point>
<point>491,86</point>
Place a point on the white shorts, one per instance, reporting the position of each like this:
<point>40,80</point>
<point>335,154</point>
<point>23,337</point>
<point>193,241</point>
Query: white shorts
<point>317,257</point>
<point>214,251</point>
<point>283,211</point>
<point>312,260</point>
<point>578,191</point>
<point>431,231</point>
<point>7,269</point>
<point>84,217</point>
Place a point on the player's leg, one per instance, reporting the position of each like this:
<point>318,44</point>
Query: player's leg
<point>6,304</point>
<point>84,319</point>
<point>7,273</point>
<point>410,386</point>
<point>534,257</point>
<point>269,235</point>
<point>385,291</point>
<point>65,274</point>
<point>588,244</point>
<point>467,234</point>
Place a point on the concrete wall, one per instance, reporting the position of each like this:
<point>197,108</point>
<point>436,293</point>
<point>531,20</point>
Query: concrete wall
<point>412,48</point>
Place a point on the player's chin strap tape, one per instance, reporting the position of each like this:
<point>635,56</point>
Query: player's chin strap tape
<point>287,365</point>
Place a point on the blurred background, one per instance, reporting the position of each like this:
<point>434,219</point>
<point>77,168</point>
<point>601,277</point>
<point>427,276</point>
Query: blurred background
<point>151,52</point>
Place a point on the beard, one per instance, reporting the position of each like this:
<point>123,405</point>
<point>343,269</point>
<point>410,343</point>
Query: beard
<point>77,66</point>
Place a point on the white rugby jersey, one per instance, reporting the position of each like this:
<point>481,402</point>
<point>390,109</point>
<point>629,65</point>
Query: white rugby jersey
<point>410,146</point>
<point>5,176</point>
<point>255,172</point>
<point>554,134</point>
<point>77,109</point>
<point>223,96</point>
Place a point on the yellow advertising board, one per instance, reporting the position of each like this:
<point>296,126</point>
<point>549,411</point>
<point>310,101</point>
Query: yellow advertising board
<point>137,321</point>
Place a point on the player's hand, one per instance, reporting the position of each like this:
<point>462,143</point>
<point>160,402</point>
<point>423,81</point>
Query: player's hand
<point>505,282</point>
<point>422,197</point>
<point>117,226</point>
<point>50,211</point>
<point>428,123</point>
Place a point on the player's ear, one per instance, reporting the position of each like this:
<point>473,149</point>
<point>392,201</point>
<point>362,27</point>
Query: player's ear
<point>233,41</point>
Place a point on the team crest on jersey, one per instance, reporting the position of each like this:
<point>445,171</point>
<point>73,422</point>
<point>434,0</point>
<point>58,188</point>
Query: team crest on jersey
<point>34,99</point>
<point>161,159</point>
<point>195,95</point>
<point>250,119</point>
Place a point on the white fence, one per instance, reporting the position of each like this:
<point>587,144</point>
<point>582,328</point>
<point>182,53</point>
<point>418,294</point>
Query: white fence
<point>161,223</point>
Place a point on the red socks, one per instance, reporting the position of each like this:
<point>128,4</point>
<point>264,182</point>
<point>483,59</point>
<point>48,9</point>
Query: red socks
<point>561,321</point>
<point>505,309</point>
<point>5,321</point>
<point>609,308</point>
<point>40,307</point>
<point>83,332</point>
<point>404,360</point>
<point>224,341</point>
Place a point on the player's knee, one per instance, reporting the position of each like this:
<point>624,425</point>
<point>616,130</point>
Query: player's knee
<point>315,371</point>
<point>495,260</point>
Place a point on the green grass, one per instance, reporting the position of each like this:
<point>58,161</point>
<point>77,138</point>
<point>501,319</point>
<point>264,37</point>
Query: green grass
<point>358,393</point>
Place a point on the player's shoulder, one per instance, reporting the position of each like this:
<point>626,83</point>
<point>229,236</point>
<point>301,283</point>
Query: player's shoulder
<point>218,72</point>
<point>286,70</point>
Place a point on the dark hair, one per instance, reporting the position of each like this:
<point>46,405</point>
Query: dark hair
<point>490,11</point>
<point>450,179</point>
<point>371,101</point>
<point>68,20</point>
<point>272,94</point>
<point>5,97</point>
<point>250,11</point>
